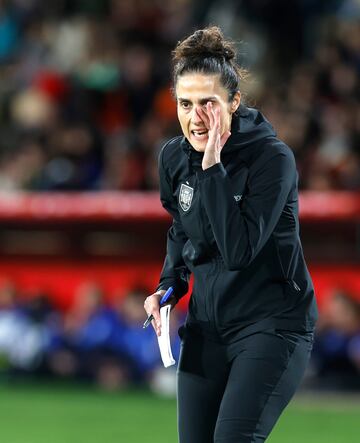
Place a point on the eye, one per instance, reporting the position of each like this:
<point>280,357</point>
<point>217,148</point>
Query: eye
<point>185,105</point>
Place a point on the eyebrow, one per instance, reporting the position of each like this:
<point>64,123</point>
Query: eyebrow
<point>202,101</point>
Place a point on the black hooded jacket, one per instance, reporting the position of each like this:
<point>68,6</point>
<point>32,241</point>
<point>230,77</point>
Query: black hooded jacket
<point>236,228</point>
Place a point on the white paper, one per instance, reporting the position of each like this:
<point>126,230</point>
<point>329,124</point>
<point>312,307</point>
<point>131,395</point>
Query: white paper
<point>164,339</point>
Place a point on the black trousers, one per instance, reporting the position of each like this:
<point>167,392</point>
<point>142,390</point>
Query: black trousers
<point>235,393</point>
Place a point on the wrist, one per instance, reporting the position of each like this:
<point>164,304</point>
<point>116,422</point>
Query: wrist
<point>206,164</point>
<point>217,168</point>
<point>158,294</point>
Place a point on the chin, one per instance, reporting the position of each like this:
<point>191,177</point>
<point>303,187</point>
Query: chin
<point>199,146</point>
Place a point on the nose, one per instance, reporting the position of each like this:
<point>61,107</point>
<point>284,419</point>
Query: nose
<point>195,118</point>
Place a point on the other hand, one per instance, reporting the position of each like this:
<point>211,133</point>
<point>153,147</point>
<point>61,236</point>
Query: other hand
<point>152,307</point>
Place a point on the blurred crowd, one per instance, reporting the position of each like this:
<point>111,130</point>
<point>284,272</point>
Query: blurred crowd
<point>100,339</point>
<point>85,101</point>
<point>96,340</point>
<point>335,362</point>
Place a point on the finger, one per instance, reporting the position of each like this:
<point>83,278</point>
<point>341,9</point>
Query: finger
<point>212,139</point>
<point>204,117</point>
<point>205,111</point>
<point>214,136</point>
<point>217,117</point>
<point>216,123</point>
<point>156,329</point>
<point>156,323</point>
<point>151,306</point>
<point>220,139</point>
<point>210,112</point>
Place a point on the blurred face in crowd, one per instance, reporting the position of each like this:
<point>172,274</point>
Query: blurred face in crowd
<point>194,90</point>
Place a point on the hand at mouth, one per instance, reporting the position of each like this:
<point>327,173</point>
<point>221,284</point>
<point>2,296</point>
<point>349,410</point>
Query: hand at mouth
<point>214,139</point>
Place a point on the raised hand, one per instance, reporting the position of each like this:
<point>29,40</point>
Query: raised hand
<point>216,141</point>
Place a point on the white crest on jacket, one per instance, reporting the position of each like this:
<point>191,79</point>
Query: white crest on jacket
<point>185,197</point>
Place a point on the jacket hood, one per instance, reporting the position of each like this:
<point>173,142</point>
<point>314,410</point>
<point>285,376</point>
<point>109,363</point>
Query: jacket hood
<point>248,127</point>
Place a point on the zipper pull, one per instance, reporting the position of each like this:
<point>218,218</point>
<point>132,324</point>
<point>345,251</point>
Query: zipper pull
<point>295,285</point>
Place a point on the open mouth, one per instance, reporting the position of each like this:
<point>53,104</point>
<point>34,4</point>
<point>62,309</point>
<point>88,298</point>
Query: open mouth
<point>200,134</point>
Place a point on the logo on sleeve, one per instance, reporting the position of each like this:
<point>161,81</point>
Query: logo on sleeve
<point>185,197</point>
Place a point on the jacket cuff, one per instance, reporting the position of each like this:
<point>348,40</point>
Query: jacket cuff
<point>179,291</point>
<point>214,169</point>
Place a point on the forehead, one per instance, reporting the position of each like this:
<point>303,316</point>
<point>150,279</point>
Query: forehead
<point>195,86</point>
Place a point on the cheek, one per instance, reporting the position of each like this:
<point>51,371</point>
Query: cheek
<point>224,118</point>
<point>183,120</point>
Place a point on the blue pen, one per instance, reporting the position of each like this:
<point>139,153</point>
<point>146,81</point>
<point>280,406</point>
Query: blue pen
<point>163,300</point>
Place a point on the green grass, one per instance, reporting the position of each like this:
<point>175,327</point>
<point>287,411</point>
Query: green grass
<point>48,414</point>
<point>329,419</point>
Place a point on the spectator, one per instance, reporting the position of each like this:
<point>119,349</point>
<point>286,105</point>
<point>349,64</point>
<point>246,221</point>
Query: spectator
<point>336,355</point>
<point>23,332</point>
<point>91,81</point>
<point>85,348</point>
<point>140,345</point>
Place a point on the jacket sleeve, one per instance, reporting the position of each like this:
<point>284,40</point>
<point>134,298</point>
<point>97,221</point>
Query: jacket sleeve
<point>241,232</point>
<point>174,272</point>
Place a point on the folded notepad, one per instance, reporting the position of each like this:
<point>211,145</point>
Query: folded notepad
<point>164,339</point>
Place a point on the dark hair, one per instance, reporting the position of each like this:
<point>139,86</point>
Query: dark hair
<point>207,51</point>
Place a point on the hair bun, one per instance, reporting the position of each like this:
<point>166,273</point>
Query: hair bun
<point>208,42</point>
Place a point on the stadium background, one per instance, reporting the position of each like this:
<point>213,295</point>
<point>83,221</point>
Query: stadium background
<point>85,107</point>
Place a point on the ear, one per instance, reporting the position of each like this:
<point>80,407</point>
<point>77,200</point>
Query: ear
<point>235,102</point>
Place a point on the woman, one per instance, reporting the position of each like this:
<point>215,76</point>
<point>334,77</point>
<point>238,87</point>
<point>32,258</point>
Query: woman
<point>231,188</point>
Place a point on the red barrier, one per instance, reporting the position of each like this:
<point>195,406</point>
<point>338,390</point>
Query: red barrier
<point>61,275</point>
<point>60,279</point>
<point>128,206</point>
